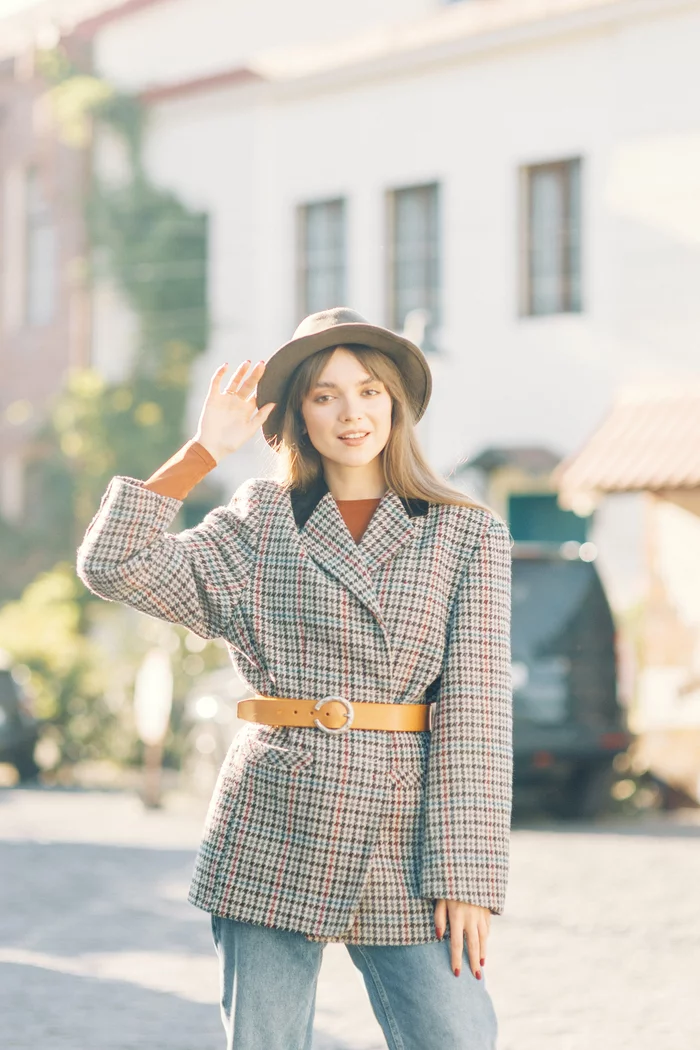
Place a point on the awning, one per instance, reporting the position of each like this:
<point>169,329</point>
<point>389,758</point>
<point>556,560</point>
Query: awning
<point>649,441</point>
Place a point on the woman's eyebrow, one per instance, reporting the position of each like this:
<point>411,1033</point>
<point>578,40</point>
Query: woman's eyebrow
<point>361,382</point>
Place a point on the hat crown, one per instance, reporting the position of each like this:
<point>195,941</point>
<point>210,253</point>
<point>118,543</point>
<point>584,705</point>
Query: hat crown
<point>325,319</point>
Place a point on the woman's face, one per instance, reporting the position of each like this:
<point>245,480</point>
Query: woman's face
<point>347,400</point>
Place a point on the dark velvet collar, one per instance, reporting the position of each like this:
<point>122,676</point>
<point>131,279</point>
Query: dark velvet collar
<point>305,500</point>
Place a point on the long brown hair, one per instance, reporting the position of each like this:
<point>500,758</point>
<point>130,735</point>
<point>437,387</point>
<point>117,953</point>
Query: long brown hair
<point>406,470</point>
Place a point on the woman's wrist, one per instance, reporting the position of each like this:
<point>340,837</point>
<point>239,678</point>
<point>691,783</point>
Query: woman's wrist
<point>211,448</point>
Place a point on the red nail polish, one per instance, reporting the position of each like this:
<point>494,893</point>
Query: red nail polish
<point>457,972</point>
<point>481,961</point>
<point>478,975</point>
<point>438,934</point>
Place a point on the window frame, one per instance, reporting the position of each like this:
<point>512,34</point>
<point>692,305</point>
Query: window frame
<point>569,278</point>
<point>302,268</point>
<point>39,216</point>
<point>432,188</point>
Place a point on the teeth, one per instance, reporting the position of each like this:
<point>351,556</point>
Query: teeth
<point>364,434</point>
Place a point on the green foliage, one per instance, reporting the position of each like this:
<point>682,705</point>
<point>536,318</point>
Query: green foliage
<point>154,248</point>
<point>79,660</point>
<point>156,251</point>
<point>98,430</point>
<point>78,100</point>
<point>42,632</point>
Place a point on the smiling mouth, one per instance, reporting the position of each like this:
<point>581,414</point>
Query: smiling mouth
<point>359,436</point>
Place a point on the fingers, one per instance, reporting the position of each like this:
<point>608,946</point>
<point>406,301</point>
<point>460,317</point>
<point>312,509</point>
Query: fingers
<point>456,945</point>
<point>474,950</point>
<point>458,935</point>
<point>245,387</point>
<point>259,417</point>
<point>236,378</point>
<point>470,926</point>
<point>215,381</point>
<point>440,918</point>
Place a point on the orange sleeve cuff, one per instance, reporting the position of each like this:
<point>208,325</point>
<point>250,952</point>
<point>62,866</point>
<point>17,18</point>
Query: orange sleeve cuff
<point>182,471</point>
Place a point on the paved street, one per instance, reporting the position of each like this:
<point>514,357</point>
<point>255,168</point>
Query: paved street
<point>599,949</point>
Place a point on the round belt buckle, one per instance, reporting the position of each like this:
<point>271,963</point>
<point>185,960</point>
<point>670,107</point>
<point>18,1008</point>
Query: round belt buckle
<point>348,707</point>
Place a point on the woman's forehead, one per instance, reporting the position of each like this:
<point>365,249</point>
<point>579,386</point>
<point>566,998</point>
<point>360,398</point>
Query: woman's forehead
<point>344,364</point>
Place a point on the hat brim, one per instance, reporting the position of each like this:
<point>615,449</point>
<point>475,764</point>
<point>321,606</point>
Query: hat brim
<point>278,370</point>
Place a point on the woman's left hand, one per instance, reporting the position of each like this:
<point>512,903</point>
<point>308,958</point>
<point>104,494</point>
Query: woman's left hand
<point>470,920</point>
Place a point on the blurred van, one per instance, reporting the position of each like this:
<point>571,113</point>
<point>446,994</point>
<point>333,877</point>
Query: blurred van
<point>568,724</point>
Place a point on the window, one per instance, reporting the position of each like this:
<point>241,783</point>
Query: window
<point>414,258</point>
<point>41,261</point>
<point>12,502</point>
<point>551,196</point>
<point>321,256</point>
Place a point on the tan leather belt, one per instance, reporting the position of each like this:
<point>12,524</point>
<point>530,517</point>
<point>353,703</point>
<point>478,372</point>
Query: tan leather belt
<point>335,714</point>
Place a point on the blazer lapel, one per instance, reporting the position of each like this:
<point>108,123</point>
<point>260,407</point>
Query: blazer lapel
<point>389,529</point>
<point>327,539</point>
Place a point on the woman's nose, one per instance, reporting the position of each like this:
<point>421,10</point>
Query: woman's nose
<point>351,411</point>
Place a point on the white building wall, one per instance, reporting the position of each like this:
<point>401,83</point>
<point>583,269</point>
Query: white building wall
<point>623,96</point>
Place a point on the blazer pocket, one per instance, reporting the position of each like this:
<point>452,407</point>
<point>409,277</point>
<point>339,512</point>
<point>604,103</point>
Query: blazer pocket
<point>264,756</point>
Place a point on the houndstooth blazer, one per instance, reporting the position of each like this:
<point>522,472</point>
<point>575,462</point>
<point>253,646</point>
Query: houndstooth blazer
<point>349,837</point>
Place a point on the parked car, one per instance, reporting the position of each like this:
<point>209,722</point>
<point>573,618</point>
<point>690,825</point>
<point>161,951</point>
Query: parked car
<point>19,730</point>
<point>568,724</point>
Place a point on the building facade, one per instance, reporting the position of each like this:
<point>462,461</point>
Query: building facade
<point>44,305</point>
<point>507,182</point>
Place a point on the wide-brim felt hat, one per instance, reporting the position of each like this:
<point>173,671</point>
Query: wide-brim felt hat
<point>339,327</point>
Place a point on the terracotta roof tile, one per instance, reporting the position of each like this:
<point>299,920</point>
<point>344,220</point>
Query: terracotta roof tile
<point>650,440</point>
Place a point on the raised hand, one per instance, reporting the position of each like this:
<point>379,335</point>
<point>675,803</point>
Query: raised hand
<point>229,417</point>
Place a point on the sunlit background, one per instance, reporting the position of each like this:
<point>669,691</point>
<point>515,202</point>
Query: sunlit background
<point>515,185</point>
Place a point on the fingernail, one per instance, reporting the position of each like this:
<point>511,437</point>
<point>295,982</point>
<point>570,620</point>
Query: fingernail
<point>457,972</point>
<point>478,975</point>
<point>482,961</point>
<point>438,933</point>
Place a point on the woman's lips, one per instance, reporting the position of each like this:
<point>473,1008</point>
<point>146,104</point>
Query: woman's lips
<point>353,440</point>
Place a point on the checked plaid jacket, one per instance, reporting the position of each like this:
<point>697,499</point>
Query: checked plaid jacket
<point>349,837</point>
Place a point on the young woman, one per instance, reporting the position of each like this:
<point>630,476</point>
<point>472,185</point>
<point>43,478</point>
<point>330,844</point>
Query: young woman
<point>367,604</point>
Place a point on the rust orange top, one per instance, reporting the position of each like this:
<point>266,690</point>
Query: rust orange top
<point>356,514</point>
<point>182,471</point>
<point>192,462</point>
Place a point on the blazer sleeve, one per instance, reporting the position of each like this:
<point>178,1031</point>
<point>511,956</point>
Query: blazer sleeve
<point>195,578</point>
<point>470,769</point>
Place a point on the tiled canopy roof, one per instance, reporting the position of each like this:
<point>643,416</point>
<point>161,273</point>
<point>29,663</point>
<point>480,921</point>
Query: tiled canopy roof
<point>532,459</point>
<point>650,440</point>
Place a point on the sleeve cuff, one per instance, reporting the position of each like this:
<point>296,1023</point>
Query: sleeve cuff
<point>182,472</point>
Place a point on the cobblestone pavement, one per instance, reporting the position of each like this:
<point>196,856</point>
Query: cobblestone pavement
<point>599,948</point>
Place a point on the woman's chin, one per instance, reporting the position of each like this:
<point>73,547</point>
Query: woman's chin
<point>353,455</point>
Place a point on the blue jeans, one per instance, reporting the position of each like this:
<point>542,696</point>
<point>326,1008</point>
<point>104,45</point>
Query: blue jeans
<point>268,991</point>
